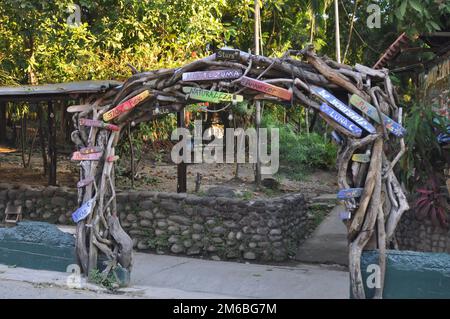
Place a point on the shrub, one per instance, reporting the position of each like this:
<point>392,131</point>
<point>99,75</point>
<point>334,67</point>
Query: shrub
<point>302,152</point>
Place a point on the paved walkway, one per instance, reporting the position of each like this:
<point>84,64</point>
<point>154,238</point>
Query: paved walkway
<point>159,276</point>
<point>328,243</point>
<point>238,280</point>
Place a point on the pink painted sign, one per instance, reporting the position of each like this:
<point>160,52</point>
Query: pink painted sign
<point>112,158</point>
<point>212,75</point>
<point>77,156</point>
<point>266,88</point>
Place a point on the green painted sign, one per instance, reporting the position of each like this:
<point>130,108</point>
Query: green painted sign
<point>211,96</point>
<point>372,112</point>
<point>361,158</point>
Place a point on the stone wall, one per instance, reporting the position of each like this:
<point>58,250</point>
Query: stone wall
<point>214,227</point>
<point>416,235</point>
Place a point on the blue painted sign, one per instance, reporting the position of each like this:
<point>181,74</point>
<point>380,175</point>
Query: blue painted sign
<point>372,112</point>
<point>336,137</point>
<point>327,96</point>
<point>341,120</point>
<point>83,211</point>
<point>444,137</point>
<point>350,193</point>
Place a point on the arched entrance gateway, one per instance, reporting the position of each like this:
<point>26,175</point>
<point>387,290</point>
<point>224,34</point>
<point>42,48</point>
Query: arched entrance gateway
<point>368,128</point>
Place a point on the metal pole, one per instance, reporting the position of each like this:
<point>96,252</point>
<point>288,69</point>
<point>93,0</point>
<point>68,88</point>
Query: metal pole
<point>258,103</point>
<point>336,22</point>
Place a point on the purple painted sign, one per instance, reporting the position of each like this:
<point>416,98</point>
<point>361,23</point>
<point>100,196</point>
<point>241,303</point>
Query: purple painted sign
<point>345,215</point>
<point>341,120</point>
<point>327,96</point>
<point>83,211</point>
<point>212,75</point>
<point>97,123</point>
<point>350,193</point>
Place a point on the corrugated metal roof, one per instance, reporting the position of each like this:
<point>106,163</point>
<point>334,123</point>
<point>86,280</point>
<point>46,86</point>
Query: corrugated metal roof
<point>59,88</point>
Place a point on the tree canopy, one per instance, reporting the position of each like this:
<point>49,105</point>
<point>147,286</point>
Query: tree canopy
<point>38,45</point>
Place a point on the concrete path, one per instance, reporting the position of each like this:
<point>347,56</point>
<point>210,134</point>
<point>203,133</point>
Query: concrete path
<point>328,243</point>
<point>238,280</point>
<point>23,290</point>
<point>158,276</point>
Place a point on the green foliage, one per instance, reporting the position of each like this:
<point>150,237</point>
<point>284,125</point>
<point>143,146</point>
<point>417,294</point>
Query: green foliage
<point>302,152</point>
<point>158,242</point>
<point>424,154</point>
<point>309,151</point>
<point>319,213</point>
<point>109,282</point>
<point>247,195</point>
<point>36,39</point>
<point>419,16</point>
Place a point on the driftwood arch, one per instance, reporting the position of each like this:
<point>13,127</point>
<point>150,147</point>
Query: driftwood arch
<point>369,149</point>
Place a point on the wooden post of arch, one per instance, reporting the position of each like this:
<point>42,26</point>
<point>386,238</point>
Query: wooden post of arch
<point>181,167</point>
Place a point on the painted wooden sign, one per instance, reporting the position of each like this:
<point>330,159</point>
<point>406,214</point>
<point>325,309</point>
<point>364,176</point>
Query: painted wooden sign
<point>336,137</point>
<point>211,96</point>
<point>228,54</point>
<point>349,193</point>
<point>212,75</point>
<point>341,120</point>
<point>85,182</point>
<point>352,115</point>
<point>79,108</point>
<point>345,215</point>
<point>112,158</point>
<point>125,106</point>
<point>83,211</point>
<point>97,123</point>
<point>361,158</point>
<point>77,156</point>
<point>90,149</point>
<point>372,112</point>
<point>266,88</point>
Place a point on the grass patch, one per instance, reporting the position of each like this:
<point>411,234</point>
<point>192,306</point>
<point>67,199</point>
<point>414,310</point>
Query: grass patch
<point>319,213</point>
<point>109,282</point>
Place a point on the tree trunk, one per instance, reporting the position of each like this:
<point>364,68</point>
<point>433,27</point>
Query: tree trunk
<point>23,139</point>
<point>51,144</point>
<point>3,122</point>
<point>42,137</point>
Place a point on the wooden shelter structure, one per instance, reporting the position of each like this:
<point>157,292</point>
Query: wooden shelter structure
<point>44,97</point>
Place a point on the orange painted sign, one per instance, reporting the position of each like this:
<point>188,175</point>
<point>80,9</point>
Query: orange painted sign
<point>125,106</point>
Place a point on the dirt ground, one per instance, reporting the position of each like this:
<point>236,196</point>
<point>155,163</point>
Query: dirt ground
<point>162,176</point>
